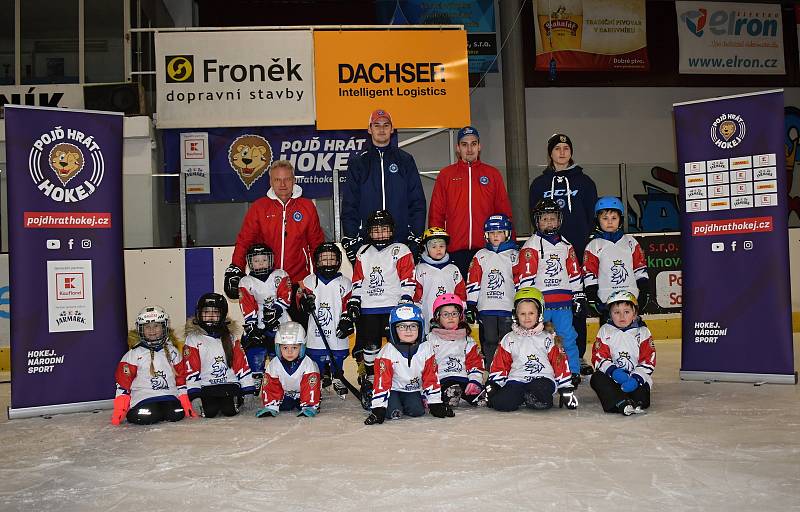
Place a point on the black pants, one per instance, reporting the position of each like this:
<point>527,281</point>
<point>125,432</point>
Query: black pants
<point>610,393</point>
<point>462,259</point>
<point>408,403</point>
<point>153,412</point>
<point>370,331</point>
<point>224,398</point>
<point>492,330</point>
<point>579,323</point>
<point>512,395</point>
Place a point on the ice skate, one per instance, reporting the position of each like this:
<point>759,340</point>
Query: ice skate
<point>532,401</point>
<point>339,388</point>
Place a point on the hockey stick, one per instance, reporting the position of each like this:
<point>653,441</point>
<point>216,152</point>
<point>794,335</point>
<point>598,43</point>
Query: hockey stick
<point>337,371</point>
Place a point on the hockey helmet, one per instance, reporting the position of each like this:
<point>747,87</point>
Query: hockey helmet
<point>499,222</point>
<point>152,315</point>
<point>543,207</point>
<point>448,299</point>
<point>327,269</point>
<point>377,219</point>
<point>210,303</point>
<point>530,294</point>
<point>290,333</point>
<point>609,203</point>
<point>435,233</point>
<point>622,296</point>
<point>260,259</point>
<point>405,313</point>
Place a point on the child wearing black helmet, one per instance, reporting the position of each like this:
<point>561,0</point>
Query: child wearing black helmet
<point>217,374</point>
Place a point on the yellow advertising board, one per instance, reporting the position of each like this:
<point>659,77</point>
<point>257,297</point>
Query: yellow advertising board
<point>419,76</point>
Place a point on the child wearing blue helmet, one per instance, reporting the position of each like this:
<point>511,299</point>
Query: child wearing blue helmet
<point>406,375</point>
<point>613,261</point>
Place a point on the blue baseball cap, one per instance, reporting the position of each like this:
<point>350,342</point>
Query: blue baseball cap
<point>467,130</point>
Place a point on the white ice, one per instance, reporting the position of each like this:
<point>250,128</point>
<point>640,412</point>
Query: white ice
<point>719,446</point>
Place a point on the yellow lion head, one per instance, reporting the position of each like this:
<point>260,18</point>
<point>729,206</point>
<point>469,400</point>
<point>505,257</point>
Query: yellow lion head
<point>66,160</point>
<point>250,156</point>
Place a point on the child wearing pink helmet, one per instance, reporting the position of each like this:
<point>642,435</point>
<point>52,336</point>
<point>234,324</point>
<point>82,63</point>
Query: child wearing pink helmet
<point>457,356</point>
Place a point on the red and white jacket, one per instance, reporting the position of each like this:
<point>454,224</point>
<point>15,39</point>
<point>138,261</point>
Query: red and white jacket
<point>614,266</point>
<point>331,298</point>
<point>382,277</point>
<point>302,384</point>
<point>552,268</point>
<point>526,354</point>
<point>291,230</point>
<point>631,349</point>
<point>433,280</point>
<point>205,364</point>
<point>459,357</point>
<point>134,377</point>
<point>255,295</point>
<point>464,196</point>
<point>394,373</point>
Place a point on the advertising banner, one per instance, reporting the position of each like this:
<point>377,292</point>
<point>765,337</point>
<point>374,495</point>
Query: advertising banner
<point>61,95</point>
<point>68,324</point>
<point>663,253</point>
<point>730,38</point>
<point>194,162</point>
<point>239,160</point>
<point>420,76</point>
<point>737,321</point>
<point>234,78</point>
<point>477,17</point>
<point>591,35</point>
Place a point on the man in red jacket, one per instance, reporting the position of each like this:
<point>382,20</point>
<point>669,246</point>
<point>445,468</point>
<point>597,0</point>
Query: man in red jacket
<point>285,222</point>
<point>466,193</point>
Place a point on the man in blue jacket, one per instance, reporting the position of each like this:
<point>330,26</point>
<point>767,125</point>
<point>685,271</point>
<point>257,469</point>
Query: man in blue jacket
<point>382,178</point>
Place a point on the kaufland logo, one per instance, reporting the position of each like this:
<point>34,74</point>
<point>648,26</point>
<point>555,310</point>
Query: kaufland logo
<point>69,286</point>
<point>66,165</point>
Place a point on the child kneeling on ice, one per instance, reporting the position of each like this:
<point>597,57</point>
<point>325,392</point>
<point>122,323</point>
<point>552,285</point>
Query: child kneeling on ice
<point>529,366</point>
<point>405,371</point>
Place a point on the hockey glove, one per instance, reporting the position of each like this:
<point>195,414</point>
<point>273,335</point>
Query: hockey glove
<point>644,293</point>
<point>187,406</point>
<point>308,302</point>
<point>266,412</point>
<point>345,327</point>
<point>354,308</point>
<point>413,243</point>
<point>233,275</point>
<point>472,313</point>
<point>253,336</point>
<point>377,416</point>
<point>579,304</point>
<point>593,299</point>
<point>441,410</point>
<point>567,398</point>
<point>576,379</point>
<point>405,299</point>
<point>121,405</point>
<point>271,319</point>
<point>620,376</point>
<point>472,389</point>
<point>351,246</point>
<point>308,412</point>
<point>630,385</point>
<point>492,390</point>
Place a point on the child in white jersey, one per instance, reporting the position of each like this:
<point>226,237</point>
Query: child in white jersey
<point>291,380</point>
<point>624,358</point>
<point>490,284</point>
<point>435,274</point>
<point>150,375</point>
<point>457,355</point>
<point>529,365</point>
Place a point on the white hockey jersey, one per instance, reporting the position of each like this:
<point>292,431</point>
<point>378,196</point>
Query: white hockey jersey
<point>631,349</point>
<point>331,298</point>
<point>552,268</point>
<point>522,358</point>
<point>134,378</point>
<point>457,358</point>
<point>303,384</point>
<point>393,373</point>
<point>490,281</point>
<point>205,364</point>
<point>255,295</point>
<point>614,266</point>
<point>432,281</point>
<point>382,277</point>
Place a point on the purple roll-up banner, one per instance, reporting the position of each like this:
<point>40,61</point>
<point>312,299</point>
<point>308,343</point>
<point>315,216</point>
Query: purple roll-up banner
<point>68,315</point>
<point>737,323</point>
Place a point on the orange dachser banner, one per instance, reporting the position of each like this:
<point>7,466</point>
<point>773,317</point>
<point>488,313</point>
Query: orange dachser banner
<point>419,76</point>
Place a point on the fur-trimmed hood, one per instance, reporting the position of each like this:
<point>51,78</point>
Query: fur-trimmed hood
<point>133,339</point>
<point>193,328</point>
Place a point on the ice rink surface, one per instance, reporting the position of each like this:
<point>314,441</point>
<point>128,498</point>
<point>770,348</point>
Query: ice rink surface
<point>709,447</point>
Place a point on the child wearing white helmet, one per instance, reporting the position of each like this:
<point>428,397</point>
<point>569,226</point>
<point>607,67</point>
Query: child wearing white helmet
<point>151,382</point>
<point>436,274</point>
<point>457,355</point>
<point>529,365</point>
<point>624,358</point>
<point>291,380</point>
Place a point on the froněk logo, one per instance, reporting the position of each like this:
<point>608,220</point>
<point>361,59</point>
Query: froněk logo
<point>695,21</point>
<point>180,69</point>
<point>727,131</point>
<point>250,156</point>
<point>71,181</point>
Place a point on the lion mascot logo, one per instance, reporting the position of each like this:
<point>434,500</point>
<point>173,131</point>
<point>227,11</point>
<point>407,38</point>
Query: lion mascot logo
<point>66,160</point>
<point>619,274</point>
<point>250,156</point>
